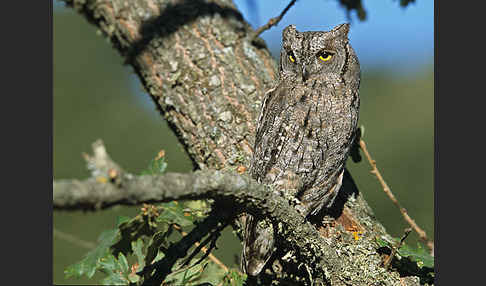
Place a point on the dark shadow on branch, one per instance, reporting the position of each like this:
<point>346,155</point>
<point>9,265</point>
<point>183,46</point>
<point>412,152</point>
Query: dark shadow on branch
<point>347,190</point>
<point>408,268</point>
<point>173,17</point>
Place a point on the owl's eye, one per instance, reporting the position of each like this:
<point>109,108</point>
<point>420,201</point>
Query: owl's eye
<point>291,57</point>
<point>324,56</point>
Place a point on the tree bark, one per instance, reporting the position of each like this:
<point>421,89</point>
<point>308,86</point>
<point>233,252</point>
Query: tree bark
<point>196,60</point>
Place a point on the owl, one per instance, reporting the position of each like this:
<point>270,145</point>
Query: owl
<point>305,130</point>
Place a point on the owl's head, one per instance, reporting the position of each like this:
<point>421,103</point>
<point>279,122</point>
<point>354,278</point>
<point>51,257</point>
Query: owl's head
<point>306,55</point>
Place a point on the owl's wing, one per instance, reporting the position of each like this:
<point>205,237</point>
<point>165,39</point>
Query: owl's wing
<point>335,140</point>
<point>263,112</point>
<point>281,119</point>
<point>266,138</point>
<point>322,195</point>
<point>258,244</point>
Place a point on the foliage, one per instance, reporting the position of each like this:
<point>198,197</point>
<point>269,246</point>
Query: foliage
<point>410,260</point>
<point>123,252</point>
<point>351,5</point>
<point>157,165</point>
<point>88,265</point>
<point>234,278</point>
<point>419,254</point>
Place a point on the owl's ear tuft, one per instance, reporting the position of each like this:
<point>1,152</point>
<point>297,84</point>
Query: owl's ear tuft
<point>341,30</point>
<point>289,31</point>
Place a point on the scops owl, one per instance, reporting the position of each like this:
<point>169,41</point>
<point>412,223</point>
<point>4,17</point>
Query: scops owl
<point>305,130</point>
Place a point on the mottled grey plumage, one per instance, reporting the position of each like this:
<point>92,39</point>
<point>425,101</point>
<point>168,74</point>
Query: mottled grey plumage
<point>305,130</point>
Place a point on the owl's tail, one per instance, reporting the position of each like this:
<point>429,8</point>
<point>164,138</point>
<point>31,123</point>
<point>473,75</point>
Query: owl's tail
<point>258,245</point>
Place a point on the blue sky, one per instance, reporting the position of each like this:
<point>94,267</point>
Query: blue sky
<point>400,39</point>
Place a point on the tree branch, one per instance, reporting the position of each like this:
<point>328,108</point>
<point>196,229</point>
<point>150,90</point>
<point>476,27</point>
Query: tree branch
<point>273,21</point>
<point>91,194</point>
<point>327,251</point>
<point>240,191</point>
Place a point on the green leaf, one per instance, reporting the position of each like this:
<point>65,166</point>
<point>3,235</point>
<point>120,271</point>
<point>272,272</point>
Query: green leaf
<point>115,278</point>
<point>137,250</point>
<point>134,278</point>
<point>108,237</point>
<point>362,130</point>
<point>121,219</point>
<point>116,269</point>
<point>76,270</point>
<point>419,255</point>
<point>382,242</point>
<point>131,230</point>
<point>157,166</point>
<point>186,277</point>
<point>159,256</point>
<point>234,278</point>
<point>101,256</point>
<point>160,238</point>
<point>87,266</point>
<point>212,273</point>
<point>122,260</point>
<point>108,263</point>
<point>173,212</point>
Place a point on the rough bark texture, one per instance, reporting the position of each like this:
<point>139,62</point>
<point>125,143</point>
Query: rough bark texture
<point>196,60</point>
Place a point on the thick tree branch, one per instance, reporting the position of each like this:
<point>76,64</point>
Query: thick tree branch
<point>240,191</point>
<point>92,194</point>
<point>327,251</point>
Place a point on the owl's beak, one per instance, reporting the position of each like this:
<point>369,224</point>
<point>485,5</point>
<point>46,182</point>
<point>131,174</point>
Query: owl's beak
<point>305,73</point>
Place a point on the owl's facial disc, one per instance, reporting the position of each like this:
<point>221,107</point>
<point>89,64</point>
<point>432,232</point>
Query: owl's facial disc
<point>314,54</point>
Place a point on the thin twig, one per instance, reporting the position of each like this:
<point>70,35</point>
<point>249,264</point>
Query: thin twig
<point>182,269</point>
<point>73,239</point>
<point>421,233</point>
<point>273,21</point>
<point>204,250</point>
<point>160,269</point>
<point>405,235</point>
<point>210,256</point>
<point>389,259</point>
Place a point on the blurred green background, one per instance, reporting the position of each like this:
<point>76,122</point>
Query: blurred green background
<point>95,96</point>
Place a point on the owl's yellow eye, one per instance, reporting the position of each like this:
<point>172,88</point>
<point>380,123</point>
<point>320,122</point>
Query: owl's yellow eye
<point>291,56</point>
<point>325,56</point>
